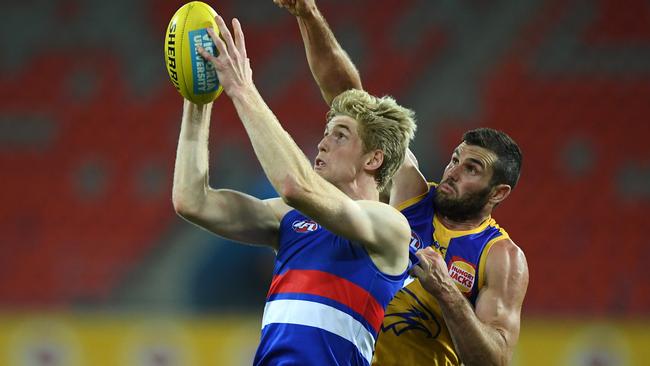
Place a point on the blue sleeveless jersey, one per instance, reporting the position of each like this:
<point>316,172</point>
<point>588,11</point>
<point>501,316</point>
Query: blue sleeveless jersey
<point>413,331</point>
<point>326,301</point>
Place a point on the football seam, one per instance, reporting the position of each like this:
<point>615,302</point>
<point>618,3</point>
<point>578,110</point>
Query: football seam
<point>187,91</point>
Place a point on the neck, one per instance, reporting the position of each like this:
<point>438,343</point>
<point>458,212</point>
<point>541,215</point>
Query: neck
<point>361,189</point>
<point>465,224</point>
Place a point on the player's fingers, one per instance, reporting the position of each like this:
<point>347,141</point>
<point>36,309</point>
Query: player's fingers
<point>239,37</point>
<point>424,260</point>
<point>428,251</point>
<point>218,42</point>
<point>417,272</point>
<point>431,254</point>
<point>205,54</point>
<point>225,33</point>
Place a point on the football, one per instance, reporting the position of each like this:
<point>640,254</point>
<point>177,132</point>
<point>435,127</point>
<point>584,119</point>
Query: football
<point>193,77</point>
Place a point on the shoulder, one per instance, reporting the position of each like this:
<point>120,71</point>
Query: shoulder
<point>506,248</point>
<point>415,201</point>
<point>278,207</point>
<point>506,260</point>
<point>385,218</point>
<point>377,208</point>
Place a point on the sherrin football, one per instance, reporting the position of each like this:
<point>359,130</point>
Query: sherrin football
<point>193,77</point>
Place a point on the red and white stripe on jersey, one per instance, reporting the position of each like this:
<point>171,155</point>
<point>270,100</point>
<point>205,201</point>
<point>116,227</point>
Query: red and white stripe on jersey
<point>319,283</point>
<point>310,312</point>
<point>323,317</point>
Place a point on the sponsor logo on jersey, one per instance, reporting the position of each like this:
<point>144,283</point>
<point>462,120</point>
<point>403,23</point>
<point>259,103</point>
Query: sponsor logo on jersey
<point>416,243</point>
<point>305,226</point>
<point>463,273</point>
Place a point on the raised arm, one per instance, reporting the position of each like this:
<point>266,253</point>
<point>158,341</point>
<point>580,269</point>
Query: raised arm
<point>335,73</point>
<point>230,214</point>
<point>488,334</point>
<point>377,226</point>
<point>330,65</point>
<point>408,182</point>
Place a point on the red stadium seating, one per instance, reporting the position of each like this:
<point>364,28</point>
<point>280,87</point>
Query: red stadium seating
<point>66,241</point>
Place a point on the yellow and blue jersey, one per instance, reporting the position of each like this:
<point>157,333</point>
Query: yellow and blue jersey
<point>413,331</point>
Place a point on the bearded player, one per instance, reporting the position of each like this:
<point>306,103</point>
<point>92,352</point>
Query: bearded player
<point>464,305</point>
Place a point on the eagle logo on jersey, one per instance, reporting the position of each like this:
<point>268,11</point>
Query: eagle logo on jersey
<point>304,226</point>
<point>416,318</point>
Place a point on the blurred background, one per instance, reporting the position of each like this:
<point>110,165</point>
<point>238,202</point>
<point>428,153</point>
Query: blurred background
<point>96,268</point>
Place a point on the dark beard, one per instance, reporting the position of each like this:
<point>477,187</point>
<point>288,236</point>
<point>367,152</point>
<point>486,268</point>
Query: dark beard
<point>462,209</point>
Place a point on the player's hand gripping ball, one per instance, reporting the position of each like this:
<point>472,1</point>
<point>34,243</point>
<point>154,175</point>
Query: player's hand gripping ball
<point>193,77</point>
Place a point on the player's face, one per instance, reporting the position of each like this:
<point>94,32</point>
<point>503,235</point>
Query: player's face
<point>465,185</point>
<point>340,152</point>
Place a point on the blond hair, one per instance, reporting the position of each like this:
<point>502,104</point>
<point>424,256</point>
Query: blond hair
<point>383,125</point>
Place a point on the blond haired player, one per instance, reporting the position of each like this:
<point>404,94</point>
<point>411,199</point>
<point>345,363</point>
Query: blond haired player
<point>464,307</point>
<point>341,254</point>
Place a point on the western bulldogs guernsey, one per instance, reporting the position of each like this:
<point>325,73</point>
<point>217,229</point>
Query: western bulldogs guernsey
<point>413,331</point>
<point>326,301</point>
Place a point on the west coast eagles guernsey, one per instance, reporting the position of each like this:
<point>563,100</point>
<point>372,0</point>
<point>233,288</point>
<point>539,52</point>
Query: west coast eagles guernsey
<point>413,331</point>
<point>326,301</point>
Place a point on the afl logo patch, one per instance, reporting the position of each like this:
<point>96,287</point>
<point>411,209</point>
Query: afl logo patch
<point>304,226</point>
<point>416,243</point>
<point>463,273</point>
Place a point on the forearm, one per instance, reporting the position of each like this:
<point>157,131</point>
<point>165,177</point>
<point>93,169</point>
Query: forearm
<point>276,151</point>
<point>191,167</point>
<point>330,65</point>
<point>408,182</point>
<point>475,342</point>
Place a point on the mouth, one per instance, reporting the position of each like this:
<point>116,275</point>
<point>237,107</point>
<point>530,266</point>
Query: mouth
<point>319,163</point>
<point>446,187</point>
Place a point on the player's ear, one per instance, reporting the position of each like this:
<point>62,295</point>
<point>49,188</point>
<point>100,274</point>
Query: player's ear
<point>499,193</point>
<point>374,159</point>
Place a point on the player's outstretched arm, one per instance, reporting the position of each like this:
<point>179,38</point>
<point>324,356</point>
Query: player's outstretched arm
<point>335,73</point>
<point>230,214</point>
<point>330,65</point>
<point>378,226</point>
<point>408,181</point>
<point>488,334</point>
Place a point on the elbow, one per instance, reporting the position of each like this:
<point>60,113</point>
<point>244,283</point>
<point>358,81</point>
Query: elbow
<point>498,354</point>
<point>294,192</point>
<point>502,358</point>
<point>184,206</point>
<point>181,207</point>
<point>496,360</point>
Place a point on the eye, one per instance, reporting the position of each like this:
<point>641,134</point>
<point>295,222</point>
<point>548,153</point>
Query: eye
<point>454,160</point>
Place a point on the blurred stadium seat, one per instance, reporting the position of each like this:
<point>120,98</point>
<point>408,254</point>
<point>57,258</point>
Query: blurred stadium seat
<point>87,151</point>
<point>88,131</point>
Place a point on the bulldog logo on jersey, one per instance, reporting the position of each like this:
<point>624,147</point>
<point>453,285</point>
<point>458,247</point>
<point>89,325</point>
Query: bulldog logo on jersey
<point>463,273</point>
<point>304,226</point>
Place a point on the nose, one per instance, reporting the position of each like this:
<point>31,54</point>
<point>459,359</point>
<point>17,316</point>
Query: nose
<point>322,145</point>
<point>452,173</point>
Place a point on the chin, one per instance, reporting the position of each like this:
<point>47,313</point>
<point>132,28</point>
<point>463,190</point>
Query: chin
<point>324,175</point>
